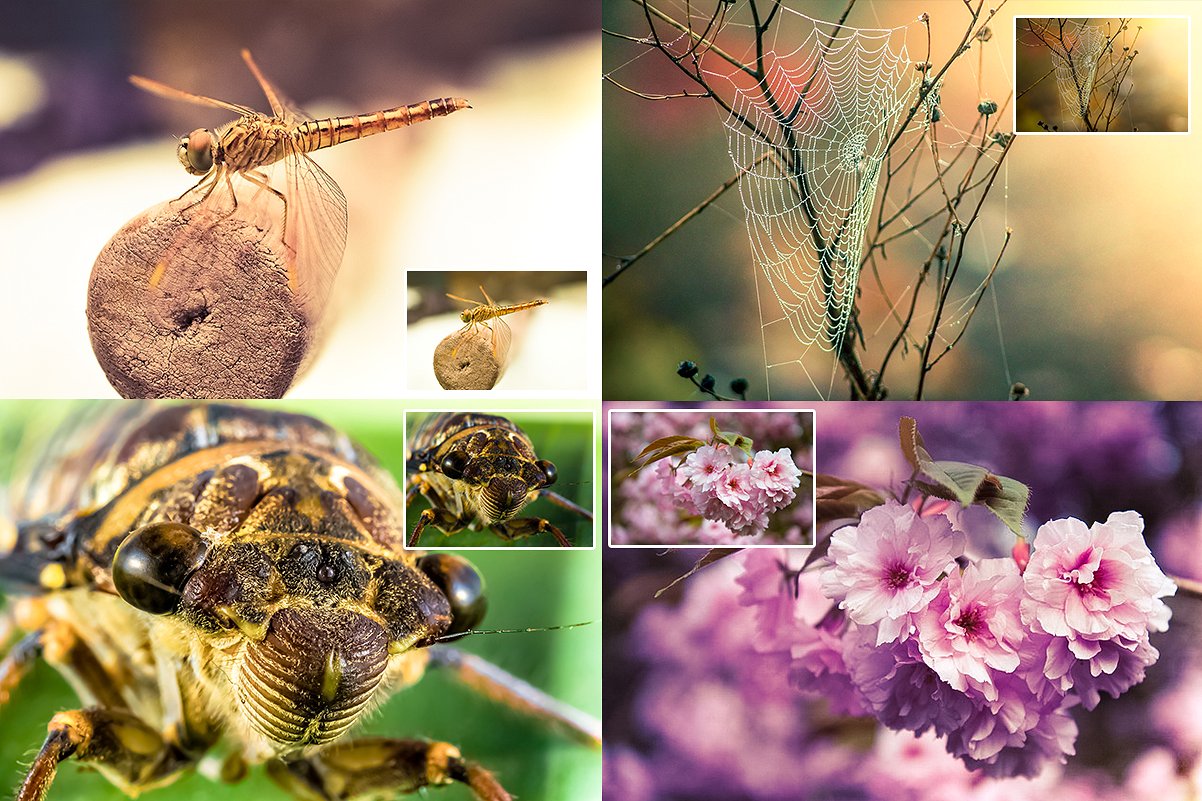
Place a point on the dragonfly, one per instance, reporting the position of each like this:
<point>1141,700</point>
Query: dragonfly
<point>489,314</point>
<point>307,210</point>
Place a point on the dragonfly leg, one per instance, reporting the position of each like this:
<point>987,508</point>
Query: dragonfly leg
<point>375,767</point>
<point>129,752</point>
<point>528,527</point>
<point>259,179</point>
<point>209,178</point>
<point>564,503</point>
<point>492,682</point>
<point>471,329</point>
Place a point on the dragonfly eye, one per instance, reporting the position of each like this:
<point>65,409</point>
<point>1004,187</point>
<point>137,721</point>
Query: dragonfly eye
<point>463,586</point>
<point>196,151</point>
<point>153,564</point>
<point>453,463</point>
<point>465,316</point>
<point>549,471</point>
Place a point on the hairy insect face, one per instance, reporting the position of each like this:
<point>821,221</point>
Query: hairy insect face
<point>305,631</point>
<point>498,472</point>
<point>298,622</point>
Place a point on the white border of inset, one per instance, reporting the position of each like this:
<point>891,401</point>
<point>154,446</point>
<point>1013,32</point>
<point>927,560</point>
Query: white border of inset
<point>608,469</point>
<point>584,409</point>
<point>1189,76</point>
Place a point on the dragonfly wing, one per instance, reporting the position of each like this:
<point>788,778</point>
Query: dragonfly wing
<point>502,338</point>
<point>283,108</point>
<point>171,93</point>
<point>315,236</point>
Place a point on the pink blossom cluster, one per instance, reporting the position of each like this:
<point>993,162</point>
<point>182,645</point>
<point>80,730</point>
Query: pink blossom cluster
<point>989,656</point>
<point>719,483</point>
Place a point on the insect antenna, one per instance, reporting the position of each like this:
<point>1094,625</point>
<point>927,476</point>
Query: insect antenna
<point>461,634</point>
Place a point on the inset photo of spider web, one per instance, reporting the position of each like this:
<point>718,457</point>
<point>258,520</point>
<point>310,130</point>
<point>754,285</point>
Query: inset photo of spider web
<point>1097,75</point>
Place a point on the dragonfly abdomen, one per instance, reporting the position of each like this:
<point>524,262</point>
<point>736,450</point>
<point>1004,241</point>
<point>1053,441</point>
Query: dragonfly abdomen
<point>316,134</point>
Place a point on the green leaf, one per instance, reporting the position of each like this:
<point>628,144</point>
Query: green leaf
<point>731,438</point>
<point>962,482</point>
<point>664,447</point>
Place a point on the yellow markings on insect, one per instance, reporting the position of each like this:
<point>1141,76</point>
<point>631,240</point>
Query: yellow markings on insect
<point>53,577</point>
<point>331,678</point>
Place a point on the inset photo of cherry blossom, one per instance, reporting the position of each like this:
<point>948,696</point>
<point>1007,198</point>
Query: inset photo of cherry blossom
<point>710,476</point>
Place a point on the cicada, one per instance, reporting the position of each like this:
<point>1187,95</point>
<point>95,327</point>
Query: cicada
<point>232,581</point>
<point>480,471</point>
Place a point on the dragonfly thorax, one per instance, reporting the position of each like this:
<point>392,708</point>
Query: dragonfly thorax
<point>198,150</point>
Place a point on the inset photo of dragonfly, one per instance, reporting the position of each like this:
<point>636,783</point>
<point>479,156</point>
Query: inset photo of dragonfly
<point>503,330</point>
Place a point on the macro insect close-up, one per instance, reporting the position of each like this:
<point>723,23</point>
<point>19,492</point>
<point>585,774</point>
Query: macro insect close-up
<point>226,586</point>
<point>480,471</point>
<point>309,198</point>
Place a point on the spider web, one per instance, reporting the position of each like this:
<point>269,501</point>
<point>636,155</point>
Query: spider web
<point>812,137</point>
<point>1077,67</point>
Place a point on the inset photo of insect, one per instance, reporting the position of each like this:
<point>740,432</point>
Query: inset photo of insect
<point>1101,74</point>
<point>709,476</point>
<point>505,330</point>
<point>521,479</point>
<point>226,591</point>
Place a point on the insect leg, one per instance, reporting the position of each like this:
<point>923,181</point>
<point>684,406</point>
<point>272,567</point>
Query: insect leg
<point>436,515</point>
<point>18,662</point>
<point>564,503</point>
<point>439,518</point>
<point>521,527</point>
<point>373,767</point>
<point>496,684</point>
<point>130,753</point>
<point>67,652</point>
<point>259,179</point>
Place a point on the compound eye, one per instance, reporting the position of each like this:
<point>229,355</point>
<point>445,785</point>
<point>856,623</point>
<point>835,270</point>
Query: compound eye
<point>463,586</point>
<point>549,471</point>
<point>453,463</point>
<point>197,151</point>
<point>153,564</point>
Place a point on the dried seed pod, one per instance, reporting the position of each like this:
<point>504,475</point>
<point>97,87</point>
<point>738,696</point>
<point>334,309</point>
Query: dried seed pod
<point>180,307</point>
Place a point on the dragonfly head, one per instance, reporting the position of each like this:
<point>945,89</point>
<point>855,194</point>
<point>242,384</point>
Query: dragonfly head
<point>197,151</point>
<point>466,316</point>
